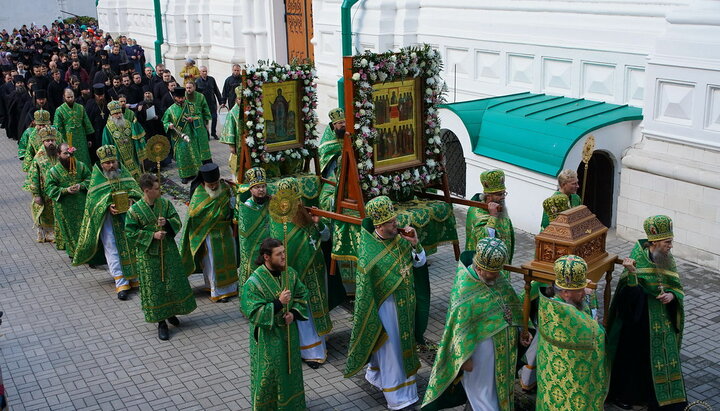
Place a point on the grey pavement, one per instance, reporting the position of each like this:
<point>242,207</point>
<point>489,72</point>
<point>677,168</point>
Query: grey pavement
<point>67,342</point>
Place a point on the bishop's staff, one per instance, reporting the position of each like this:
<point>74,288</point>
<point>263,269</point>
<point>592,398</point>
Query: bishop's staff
<point>157,149</point>
<point>587,153</point>
<point>283,207</point>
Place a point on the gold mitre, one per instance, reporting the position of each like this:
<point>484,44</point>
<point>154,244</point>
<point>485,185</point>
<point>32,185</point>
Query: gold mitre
<point>570,272</point>
<point>381,210</point>
<point>115,107</point>
<point>107,153</point>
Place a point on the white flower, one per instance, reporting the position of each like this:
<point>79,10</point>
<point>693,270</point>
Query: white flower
<point>359,143</point>
<point>413,55</point>
<point>428,91</point>
<point>382,75</point>
<point>261,120</point>
<point>250,141</point>
<point>436,151</point>
<point>374,183</point>
<point>393,58</point>
<point>363,63</point>
<point>259,135</point>
<point>373,76</point>
<point>249,124</point>
<point>364,186</point>
<point>430,81</point>
<point>356,77</point>
<point>431,162</point>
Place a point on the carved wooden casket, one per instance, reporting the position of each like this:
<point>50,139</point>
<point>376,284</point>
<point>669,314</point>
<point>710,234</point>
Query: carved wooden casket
<point>574,231</point>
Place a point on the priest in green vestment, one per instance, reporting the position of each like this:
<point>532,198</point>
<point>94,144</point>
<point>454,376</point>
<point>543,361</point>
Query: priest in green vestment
<point>253,220</point>
<point>200,113</point>
<point>330,154</point>
<point>32,144</point>
<point>273,299</point>
<point>207,243</point>
<point>645,324</point>
<point>74,124</point>
<point>127,137</point>
<point>66,185</point>
<point>233,128</point>
<point>572,369</point>
<point>102,231</point>
<point>383,334</point>
<point>476,358</point>
<point>567,187</point>
<point>35,183</point>
<point>178,123</point>
<point>151,225</point>
<point>302,237</point>
<point>493,222</point>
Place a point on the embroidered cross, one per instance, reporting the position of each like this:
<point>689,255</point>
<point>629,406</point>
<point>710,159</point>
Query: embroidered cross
<point>659,366</point>
<point>656,327</point>
<point>405,271</point>
<point>313,242</point>
<point>673,363</point>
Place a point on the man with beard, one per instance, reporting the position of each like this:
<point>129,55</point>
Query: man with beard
<point>98,114</point>
<point>209,88</point>
<point>483,223</point>
<point>178,124</point>
<point>134,90</point>
<point>273,299</point>
<point>330,153</point>
<point>228,93</point>
<point>16,103</point>
<point>127,137</point>
<point>35,184</point>
<point>39,101</point>
<point>476,358</point>
<point>160,88</point>
<point>645,324</point>
<point>116,89</point>
<point>253,220</point>
<point>150,120</point>
<point>572,369</point>
<point>301,238</point>
<point>29,144</point>
<point>151,225</point>
<point>73,122</point>
<point>66,185</point>
<point>200,113</point>
<point>76,70</point>
<point>384,318</point>
<point>168,98</point>
<point>102,231</point>
<point>207,243</point>
<point>567,186</point>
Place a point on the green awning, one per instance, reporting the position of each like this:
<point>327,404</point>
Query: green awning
<point>535,131</point>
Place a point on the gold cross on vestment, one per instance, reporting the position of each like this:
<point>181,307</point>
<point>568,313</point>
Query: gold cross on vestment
<point>659,366</point>
<point>656,327</point>
<point>405,271</point>
<point>673,363</point>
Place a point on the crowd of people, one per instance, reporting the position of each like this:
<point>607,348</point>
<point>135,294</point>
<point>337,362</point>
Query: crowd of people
<point>82,115</point>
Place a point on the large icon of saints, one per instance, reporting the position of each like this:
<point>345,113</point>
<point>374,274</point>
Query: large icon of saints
<point>398,125</point>
<point>280,111</point>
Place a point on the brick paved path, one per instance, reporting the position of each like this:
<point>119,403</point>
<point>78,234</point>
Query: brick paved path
<point>68,343</point>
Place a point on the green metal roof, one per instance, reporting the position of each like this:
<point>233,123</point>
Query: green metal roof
<point>535,131</point>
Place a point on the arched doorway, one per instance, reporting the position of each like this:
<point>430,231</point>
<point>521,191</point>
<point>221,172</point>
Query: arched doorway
<point>599,194</point>
<point>454,162</point>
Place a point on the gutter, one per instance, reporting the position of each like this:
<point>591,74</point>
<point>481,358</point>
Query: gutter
<point>346,30</point>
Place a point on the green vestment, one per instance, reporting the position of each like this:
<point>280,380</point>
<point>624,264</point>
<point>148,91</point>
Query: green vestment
<point>23,144</point>
<point>385,268</point>
<point>476,312</point>
<point>666,322</point>
<point>329,151</point>
<point>130,143</point>
<point>574,201</point>
<point>302,246</point>
<point>572,370</point>
<point>33,145</point>
<point>99,198</point>
<point>164,287</point>
<point>199,110</point>
<point>74,124</point>
<point>35,184</point>
<point>477,226</point>
<point>186,153</point>
<point>210,217</point>
<point>68,207</point>
<point>273,388</point>
<point>253,222</point>
<point>232,130</point>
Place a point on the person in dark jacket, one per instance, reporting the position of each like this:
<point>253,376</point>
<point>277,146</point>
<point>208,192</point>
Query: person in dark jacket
<point>208,87</point>
<point>98,113</point>
<point>228,93</point>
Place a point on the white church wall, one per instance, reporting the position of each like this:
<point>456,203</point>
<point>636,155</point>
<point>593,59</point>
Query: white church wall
<point>675,168</point>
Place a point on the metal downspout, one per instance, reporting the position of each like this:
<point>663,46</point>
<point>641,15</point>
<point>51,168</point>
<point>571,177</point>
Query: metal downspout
<point>346,30</point>
<point>159,40</point>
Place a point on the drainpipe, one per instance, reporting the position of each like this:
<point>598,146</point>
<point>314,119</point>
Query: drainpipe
<point>346,30</point>
<point>159,33</point>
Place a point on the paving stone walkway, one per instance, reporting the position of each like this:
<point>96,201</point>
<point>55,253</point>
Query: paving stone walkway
<point>67,342</point>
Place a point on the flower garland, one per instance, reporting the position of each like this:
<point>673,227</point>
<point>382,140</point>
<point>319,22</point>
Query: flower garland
<point>370,68</point>
<point>271,72</point>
